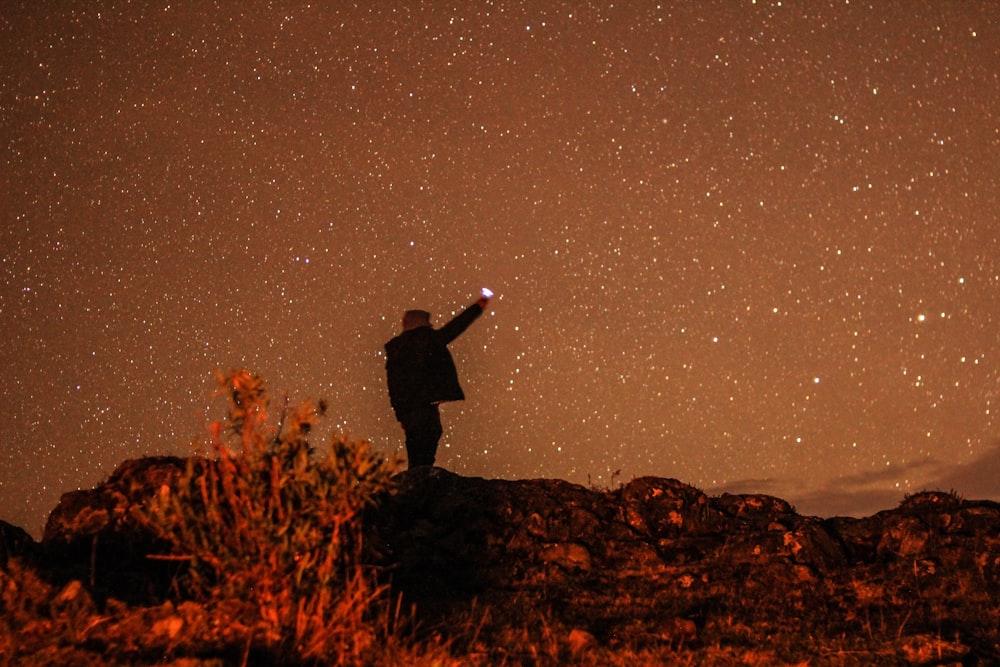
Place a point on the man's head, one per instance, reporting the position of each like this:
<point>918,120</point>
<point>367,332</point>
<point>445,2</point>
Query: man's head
<point>416,318</point>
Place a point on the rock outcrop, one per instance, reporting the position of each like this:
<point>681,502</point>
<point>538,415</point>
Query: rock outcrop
<point>91,534</point>
<point>659,561</point>
<point>655,562</point>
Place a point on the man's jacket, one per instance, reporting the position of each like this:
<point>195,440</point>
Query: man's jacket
<point>419,368</point>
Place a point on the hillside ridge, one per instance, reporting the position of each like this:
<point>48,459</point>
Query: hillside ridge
<point>653,563</point>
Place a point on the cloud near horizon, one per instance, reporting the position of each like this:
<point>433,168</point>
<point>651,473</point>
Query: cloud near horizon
<point>867,493</point>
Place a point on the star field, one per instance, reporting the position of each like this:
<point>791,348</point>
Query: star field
<point>748,245</point>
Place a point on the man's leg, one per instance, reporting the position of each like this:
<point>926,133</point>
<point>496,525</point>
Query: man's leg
<point>423,431</point>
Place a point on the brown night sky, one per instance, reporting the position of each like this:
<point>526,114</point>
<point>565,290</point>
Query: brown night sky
<point>749,245</point>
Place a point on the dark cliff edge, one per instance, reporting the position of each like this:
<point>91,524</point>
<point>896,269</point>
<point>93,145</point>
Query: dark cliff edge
<point>653,562</point>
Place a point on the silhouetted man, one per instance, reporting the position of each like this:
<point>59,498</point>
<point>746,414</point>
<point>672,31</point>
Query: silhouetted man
<point>421,375</point>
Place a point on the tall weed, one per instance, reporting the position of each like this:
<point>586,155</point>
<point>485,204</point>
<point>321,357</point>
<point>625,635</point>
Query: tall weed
<point>273,531</point>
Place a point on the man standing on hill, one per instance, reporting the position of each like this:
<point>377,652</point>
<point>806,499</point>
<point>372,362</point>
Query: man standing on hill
<point>421,375</point>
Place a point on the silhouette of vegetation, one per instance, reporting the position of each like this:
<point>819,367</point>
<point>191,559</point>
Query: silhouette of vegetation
<point>273,532</point>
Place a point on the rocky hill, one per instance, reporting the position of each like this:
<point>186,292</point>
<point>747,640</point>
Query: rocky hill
<point>537,572</point>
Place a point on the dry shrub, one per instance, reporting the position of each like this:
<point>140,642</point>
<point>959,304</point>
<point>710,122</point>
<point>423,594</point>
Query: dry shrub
<point>273,532</point>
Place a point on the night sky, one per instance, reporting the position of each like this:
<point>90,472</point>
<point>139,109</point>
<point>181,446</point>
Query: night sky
<point>749,245</point>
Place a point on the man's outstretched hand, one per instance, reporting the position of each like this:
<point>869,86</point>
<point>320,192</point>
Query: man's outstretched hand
<point>485,298</point>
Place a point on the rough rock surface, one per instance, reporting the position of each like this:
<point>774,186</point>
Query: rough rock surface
<point>15,542</point>
<point>654,562</point>
<point>659,561</point>
<point>91,534</point>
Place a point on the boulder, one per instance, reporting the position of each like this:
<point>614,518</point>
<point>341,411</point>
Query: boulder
<point>15,542</point>
<point>92,535</point>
